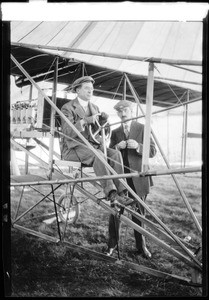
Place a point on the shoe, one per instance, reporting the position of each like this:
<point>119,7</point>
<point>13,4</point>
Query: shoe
<point>124,193</point>
<point>115,199</point>
<point>144,253</point>
<point>126,200</point>
<point>119,200</point>
<point>110,251</point>
<point>112,195</point>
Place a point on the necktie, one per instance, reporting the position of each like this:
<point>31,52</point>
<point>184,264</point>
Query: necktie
<point>85,108</point>
<point>126,130</point>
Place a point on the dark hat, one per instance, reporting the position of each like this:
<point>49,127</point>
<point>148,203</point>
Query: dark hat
<point>121,104</point>
<point>79,81</point>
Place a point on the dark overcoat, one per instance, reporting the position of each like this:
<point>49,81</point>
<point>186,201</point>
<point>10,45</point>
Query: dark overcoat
<point>141,184</point>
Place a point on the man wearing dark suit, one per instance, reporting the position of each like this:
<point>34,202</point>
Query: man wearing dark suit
<point>128,139</point>
<point>82,113</point>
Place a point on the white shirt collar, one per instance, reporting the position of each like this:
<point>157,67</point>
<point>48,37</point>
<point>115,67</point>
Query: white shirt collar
<point>83,103</point>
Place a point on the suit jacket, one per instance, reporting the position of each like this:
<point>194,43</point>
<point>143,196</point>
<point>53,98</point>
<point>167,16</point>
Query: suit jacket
<point>141,184</point>
<point>75,113</point>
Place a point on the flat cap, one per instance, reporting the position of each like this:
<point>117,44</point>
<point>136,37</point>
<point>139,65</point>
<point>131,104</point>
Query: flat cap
<point>79,81</point>
<point>121,104</point>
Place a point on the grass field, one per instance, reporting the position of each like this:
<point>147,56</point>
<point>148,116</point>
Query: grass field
<point>44,269</point>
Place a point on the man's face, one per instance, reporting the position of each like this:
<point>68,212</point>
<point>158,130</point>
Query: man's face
<point>125,113</point>
<point>85,91</point>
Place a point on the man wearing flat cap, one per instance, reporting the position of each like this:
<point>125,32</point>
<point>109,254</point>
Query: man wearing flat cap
<point>82,113</point>
<point>128,139</point>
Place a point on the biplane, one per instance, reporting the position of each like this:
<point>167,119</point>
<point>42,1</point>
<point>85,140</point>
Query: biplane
<point>33,120</point>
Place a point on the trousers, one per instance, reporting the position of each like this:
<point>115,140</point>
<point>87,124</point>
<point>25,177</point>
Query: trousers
<point>114,225</point>
<point>87,157</point>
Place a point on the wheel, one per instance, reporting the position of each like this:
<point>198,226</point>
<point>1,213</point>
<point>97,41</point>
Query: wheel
<point>68,207</point>
<point>96,130</point>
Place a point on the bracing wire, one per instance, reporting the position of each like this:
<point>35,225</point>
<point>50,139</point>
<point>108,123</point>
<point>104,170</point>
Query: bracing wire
<point>169,86</point>
<point>104,74</point>
<point>31,58</point>
<point>118,86</point>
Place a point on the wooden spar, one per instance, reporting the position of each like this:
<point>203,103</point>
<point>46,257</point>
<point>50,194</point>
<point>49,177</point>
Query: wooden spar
<point>105,177</point>
<point>102,159</point>
<point>174,171</point>
<point>30,92</point>
<point>104,142</point>
<point>35,233</point>
<point>168,165</point>
<point>124,89</point>
<point>26,155</point>
<point>114,55</point>
<point>158,111</point>
<point>147,127</point>
<point>52,120</point>
<point>175,106</point>
<point>183,137</point>
<point>185,130</point>
<point>186,69</point>
<point>162,79</point>
<point>83,69</point>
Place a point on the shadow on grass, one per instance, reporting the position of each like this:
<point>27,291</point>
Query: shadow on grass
<point>43,269</point>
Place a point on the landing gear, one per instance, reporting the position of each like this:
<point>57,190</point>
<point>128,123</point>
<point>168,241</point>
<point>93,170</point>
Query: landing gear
<point>69,208</point>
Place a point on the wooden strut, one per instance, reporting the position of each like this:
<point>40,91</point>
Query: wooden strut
<point>105,163</point>
<point>114,55</point>
<point>52,120</point>
<point>168,165</point>
<point>157,112</point>
<point>105,177</point>
<point>147,126</point>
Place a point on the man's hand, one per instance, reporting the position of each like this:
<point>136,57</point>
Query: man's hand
<point>104,116</point>
<point>132,144</point>
<point>121,145</point>
<point>91,119</point>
